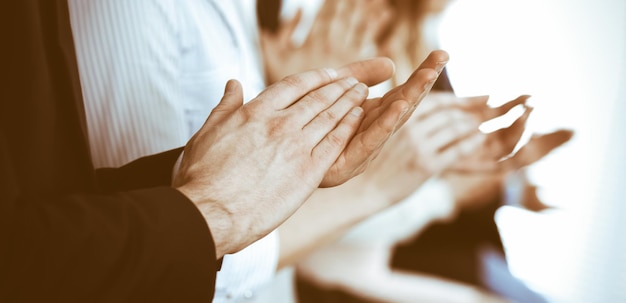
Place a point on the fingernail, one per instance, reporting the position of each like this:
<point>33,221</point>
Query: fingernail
<point>230,86</point>
<point>352,81</point>
<point>405,111</point>
<point>529,108</point>
<point>356,112</point>
<point>441,65</point>
<point>360,88</point>
<point>430,83</point>
<point>478,99</point>
<point>332,73</point>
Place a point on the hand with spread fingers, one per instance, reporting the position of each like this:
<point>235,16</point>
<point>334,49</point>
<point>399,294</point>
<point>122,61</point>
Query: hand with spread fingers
<point>278,148</point>
<point>442,139</point>
<point>474,189</point>
<point>342,32</point>
<point>431,141</point>
<point>308,130</point>
<point>478,179</point>
<point>498,144</point>
<point>395,107</point>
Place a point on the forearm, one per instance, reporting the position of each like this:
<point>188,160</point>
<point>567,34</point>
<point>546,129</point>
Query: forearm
<point>151,171</point>
<point>363,271</point>
<point>410,287</point>
<point>326,216</point>
<point>432,201</point>
<point>120,247</point>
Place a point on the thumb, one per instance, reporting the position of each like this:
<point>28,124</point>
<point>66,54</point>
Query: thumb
<point>288,28</point>
<point>230,102</point>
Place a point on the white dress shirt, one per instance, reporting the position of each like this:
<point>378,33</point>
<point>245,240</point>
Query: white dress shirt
<point>151,72</point>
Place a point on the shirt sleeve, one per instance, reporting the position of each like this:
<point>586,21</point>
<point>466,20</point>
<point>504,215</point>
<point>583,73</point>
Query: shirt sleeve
<point>129,59</point>
<point>244,273</point>
<point>150,243</point>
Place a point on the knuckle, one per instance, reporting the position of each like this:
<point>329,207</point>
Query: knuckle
<point>295,81</point>
<point>329,115</point>
<point>316,96</point>
<point>249,111</point>
<point>386,126</point>
<point>277,126</point>
<point>335,141</point>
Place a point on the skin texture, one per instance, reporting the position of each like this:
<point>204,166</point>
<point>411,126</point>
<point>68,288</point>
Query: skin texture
<point>440,139</point>
<point>295,136</point>
<point>337,265</point>
<point>402,166</point>
<point>343,31</point>
<point>473,190</point>
<point>402,102</point>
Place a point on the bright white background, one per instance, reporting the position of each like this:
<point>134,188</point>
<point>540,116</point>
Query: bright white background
<point>570,55</point>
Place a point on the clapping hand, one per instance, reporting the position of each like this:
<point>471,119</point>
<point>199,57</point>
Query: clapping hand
<point>251,166</point>
<point>342,32</point>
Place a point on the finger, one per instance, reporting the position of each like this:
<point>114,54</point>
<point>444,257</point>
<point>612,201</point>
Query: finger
<point>321,24</point>
<point>313,103</point>
<point>451,100</point>
<point>375,135</point>
<point>473,102</point>
<point>323,123</point>
<point>370,71</point>
<point>288,28</point>
<point>438,120</point>
<point>396,94</point>
<point>533,151</point>
<point>230,102</point>
<point>489,113</point>
<point>331,146</point>
<point>419,83</point>
<point>435,101</point>
<point>345,12</point>
<point>354,15</point>
<point>436,60</point>
<point>502,142</point>
<point>365,146</point>
<point>455,132</point>
<point>474,165</point>
<point>384,12</point>
<point>461,149</point>
<point>376,20</point>
<point>538,147</point>
<point>290,89</point>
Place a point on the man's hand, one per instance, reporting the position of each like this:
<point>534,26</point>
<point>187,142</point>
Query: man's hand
<point>343,31</point>
<point>478,178</point>
<point>430,142</point>
<point>251,166</point>
<point>383,116</point>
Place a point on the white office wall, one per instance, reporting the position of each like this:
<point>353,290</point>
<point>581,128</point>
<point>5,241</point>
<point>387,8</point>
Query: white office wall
<point>570,56</point>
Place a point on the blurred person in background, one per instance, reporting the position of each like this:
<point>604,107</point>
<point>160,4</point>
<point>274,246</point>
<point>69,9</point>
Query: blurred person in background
<point>156,67</point>
<point>153,231</point>
<point>465,249</point>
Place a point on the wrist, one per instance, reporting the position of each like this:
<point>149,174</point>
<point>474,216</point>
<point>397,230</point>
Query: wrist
<point>371,196</point>
<point>219,220</point>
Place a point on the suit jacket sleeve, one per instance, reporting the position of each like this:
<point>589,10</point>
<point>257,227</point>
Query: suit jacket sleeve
<point>67,233</point>
<point>148,244</point>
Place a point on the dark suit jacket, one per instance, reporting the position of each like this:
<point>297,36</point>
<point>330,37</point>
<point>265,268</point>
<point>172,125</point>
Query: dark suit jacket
<point>69,233</point>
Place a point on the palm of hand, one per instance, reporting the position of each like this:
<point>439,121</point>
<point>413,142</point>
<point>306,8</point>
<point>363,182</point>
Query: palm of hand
<point>256,163</point>
<point>382,118</point>
<point>430,142</point>
<point>342,32</point>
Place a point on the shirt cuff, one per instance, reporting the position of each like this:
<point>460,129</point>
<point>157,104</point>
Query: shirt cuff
<point>176,167</point>
<point>244,273</point>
